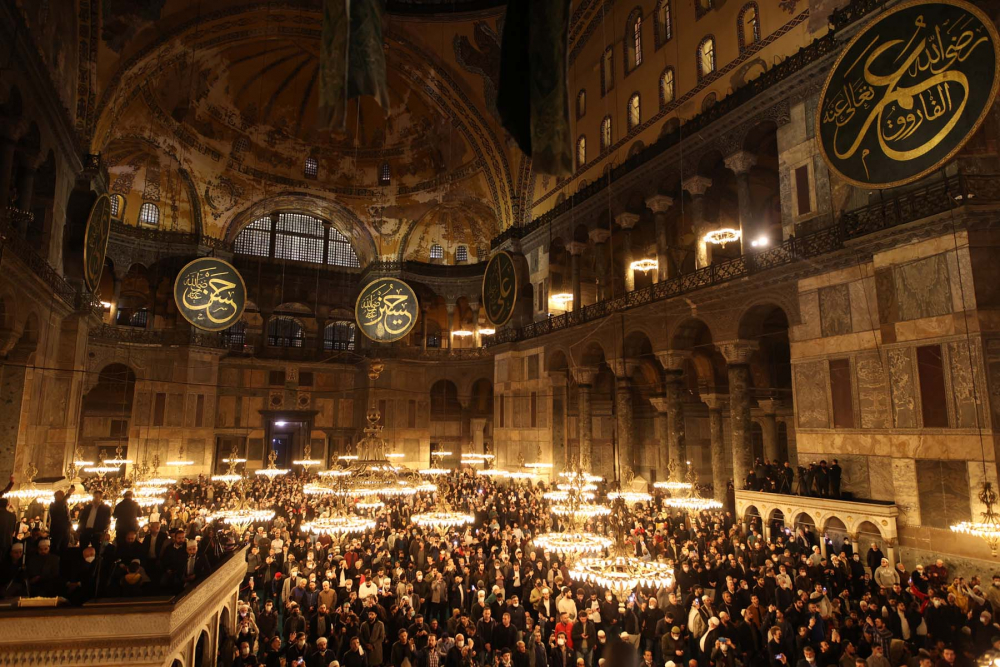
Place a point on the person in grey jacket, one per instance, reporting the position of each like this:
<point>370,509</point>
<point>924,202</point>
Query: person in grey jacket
<point>885,575</point>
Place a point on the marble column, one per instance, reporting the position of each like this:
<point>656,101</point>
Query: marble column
<point>659,205</point>
<point>474,307</point>
<point>628,455</point>
<point>627,221</point>
<point>320,342</point>
<point>558,382</point>
<point>737,354</point>
<point>7,147</point>
<point>599,237</point>
<point>265,315</point>
<point>673,362</point>
<point>423,327</point>
<point>716,403</point>
<point>660,403</point>
<point>769,428</point>
<point>477,428</point>
<point>450,309</point>
<point>584,378</point>
<point>740,163</point>
<point>697,186</point>
<point>26,186</point>
<point>575,250</point>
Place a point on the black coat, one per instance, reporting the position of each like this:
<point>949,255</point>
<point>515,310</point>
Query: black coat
<point>103,520</point>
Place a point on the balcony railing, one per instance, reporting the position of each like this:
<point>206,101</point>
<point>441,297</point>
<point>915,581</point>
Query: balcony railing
<point>109,333</point>
<point>167,237</point>
<point>936,198</point>
<point>424,269</point>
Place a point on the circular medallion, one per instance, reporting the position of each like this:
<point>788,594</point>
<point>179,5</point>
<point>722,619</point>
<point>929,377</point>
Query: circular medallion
<point>500,288</point>
<point>908,92</point>
<point>95,241</point>
<point>386,309</point>
<point>210,294</point>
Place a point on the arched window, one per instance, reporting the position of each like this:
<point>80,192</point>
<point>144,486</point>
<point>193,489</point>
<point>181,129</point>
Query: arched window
<point>667,93</point>
<point>581,103</point>
<point>437,252</point>
<point>117,207</point>
<point>149,214</point>
<point>607,71</point>
<point>706,57</point>
<point>702,7</point>
<point>748,29</point>
<point>312,167</point>
<point>235,337</point>
<point>606,134</point>
<point>581,152</point>
<point>297,237</point>
<point>633,40</point>
<point>285,331</point>
<point>338,336</point>
<point>634,115</point>
<point>383,174</point>
<point>462,254</point>
<point>664,23</point>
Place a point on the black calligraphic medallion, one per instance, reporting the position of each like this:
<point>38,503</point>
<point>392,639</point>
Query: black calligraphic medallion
<point>95,241</point>
<point>210,294</point>
<point>386,309</point>
<point>500,288</point>
<point>908,91</point>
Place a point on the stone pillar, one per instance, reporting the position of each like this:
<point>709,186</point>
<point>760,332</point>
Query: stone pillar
<point>575,250</point>
<point>423,327</point>
<point>737,354</point>
<point>584,378</point>
<point>627,221</point>
<point>716,403</point>
<point>599,237</point>
<point>449,307</point>
<point>321,323</point>
<point>769,428</point>
<point>659,205</point>
<point>673,363</point>
<point>26,187</point>
<point>558,382</point>
<point>628,454</point>
<point>740,163</point>
<point>854,537</point>
<point>477,428</point>
<point>265,315</point>
<point>7,147</point>
<point>474,307</point>
<point>661,403</point>
<point>697,186</point>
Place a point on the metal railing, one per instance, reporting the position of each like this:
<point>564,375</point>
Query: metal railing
<point>110,333</point>
<point>167,237</point>
<point>934,199</point>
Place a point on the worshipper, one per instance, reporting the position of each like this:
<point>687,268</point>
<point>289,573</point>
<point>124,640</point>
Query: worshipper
<point>95,519</point>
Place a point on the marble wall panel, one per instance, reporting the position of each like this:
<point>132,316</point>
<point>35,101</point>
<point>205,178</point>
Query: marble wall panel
<point>902,388</point>
<point>881,475</point>
<point>809,313</point>
<point>873,391</point>
<point>345,416</point>
<point>175,410</point>
<point>811,394</point>
<point>885,291</point>
<point>943,488</point>
<point>835,310</point>
<point>923,288</point>
<point>855,478</point>
<point>864,305</point>
<point>904,479</point>
<point>963,390</point>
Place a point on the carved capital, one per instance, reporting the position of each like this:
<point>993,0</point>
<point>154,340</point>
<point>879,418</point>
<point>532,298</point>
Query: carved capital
<point>769,406</point>
<point>660,404</point>
<point>715,401</point>
<point>673,360</point>
<point>623,368</point>
<point>626,220</point>
<point>740,162</point>
<point>697,185</point>
<point>557,378</point>
<point>584,375</point>
<point>576,248</point>
<point>659,203</point>
<point>599,235</point>
<point>737,351</point>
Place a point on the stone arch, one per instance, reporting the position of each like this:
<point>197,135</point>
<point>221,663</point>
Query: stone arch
<point>594,352</point>
<point>834,532</point>
<point>481,396</point>
<point>444,400</point>
<point>557,359</point>
<point>203,649</point>
<point>687,333</point>
<point>868,532</point>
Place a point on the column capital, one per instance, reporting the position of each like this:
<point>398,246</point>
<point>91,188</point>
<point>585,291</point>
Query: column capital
<point>623,368</point>
<point>585,375</point>
<point>576,248</point>
<point>627,220</point>
<point>558,378</point>
<point>659,203</point>
<point>737,351</point>
<point>660,403</point>
<point>673,360</point>
<point>715,401</point>
<point>770,406</point>
<point>740,162</point>
<point>599,235</point>
<point>474,306</point>
<point>697,185</point>
<point>449,305</point>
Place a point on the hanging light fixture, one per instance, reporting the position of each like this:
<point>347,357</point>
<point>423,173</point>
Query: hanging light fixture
<point>487,331</point>
<point>562,299</point>
<point>444,519</point>
<point>180,461</point>
<point>307,461</point>
<point>722,236</point>
<point>231,476</point>
<point>630,497</point>
<point>573,541</point>
<point>645,265</point>
<point>462,333</point>
<point>693,502</point>
<point>988,529</point>
<point>272,471</point>
<point>339,525</point>
<point>29,491</point>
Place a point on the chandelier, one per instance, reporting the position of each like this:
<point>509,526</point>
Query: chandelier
<point>571,543</point>
<point>231,476</point>
<point>722,236</point>
<point>180,461</point>
<point>673,486</point>
<point>989,528</point>
<point>462,333</point>
<point>339,525</point>
<point>444,519</point>
<point>272,471</point>
<point>369,504</point>
<point>630,497</point>
<point>562,299</point>
<point>572,499</point>
<point>621,572</point>
<point>307,461</point>
<point>645,265</point>
<point>244,514</point>
<point>487,331</point>
<point>692,502</point>
<point>316,490</point>
<point>29,492</point>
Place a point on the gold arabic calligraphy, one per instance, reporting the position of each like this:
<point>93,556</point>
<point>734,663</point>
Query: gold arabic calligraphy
<point>208,291</point>
<point>499,289</point>
<point>386,308</point>
<point>936,92</point>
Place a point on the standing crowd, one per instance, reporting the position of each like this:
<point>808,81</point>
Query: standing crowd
<point>485,595</point>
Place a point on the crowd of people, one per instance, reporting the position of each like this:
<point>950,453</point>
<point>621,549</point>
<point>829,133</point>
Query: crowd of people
<point>819,479</point>
<point>485,595</point>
